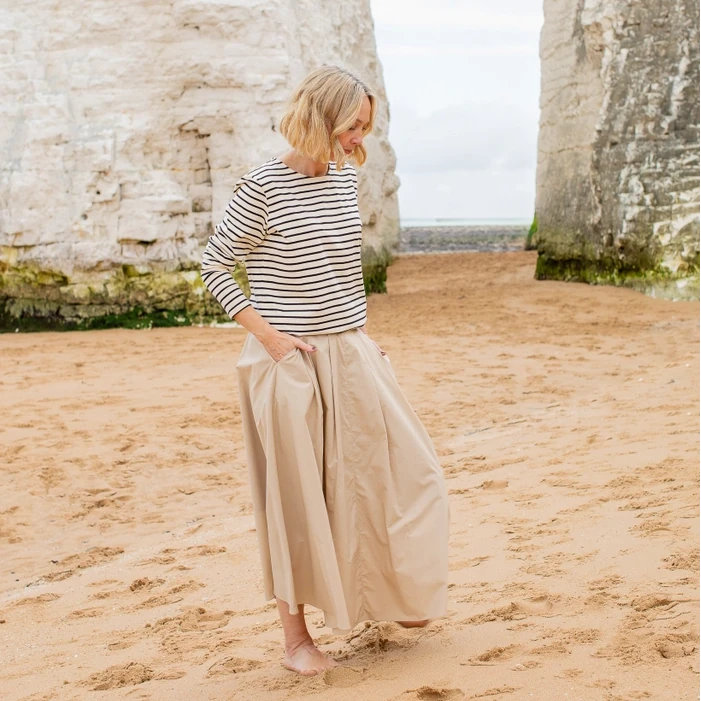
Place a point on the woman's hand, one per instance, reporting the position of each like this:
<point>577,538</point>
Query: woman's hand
<point>378,347</point>
<point>279,344</point>
<point>362,328</point>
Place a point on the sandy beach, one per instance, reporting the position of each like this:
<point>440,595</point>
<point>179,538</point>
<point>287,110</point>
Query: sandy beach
<point>566,420</point>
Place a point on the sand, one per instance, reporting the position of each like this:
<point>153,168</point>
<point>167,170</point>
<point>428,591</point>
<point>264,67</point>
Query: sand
<point>566,419</point>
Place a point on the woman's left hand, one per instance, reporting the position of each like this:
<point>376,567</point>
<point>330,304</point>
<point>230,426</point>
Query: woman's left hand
<point>362,328</point>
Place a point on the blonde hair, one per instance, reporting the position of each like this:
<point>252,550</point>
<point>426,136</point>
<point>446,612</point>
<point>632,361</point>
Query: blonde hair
<point>324,105</point>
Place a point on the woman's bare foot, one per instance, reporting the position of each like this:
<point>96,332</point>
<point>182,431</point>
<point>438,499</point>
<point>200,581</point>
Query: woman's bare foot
<point>307,659</point>
<point>301,655</point>
<point>414,624</point>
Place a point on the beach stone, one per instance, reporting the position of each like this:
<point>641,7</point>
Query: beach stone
<point>124,129</point>
<point>618,154</point>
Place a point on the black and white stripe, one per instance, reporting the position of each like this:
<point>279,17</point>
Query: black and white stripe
<point>300,239</point>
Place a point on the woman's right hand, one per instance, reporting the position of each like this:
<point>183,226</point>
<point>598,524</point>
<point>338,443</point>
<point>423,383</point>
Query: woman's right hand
<point>279,344</point>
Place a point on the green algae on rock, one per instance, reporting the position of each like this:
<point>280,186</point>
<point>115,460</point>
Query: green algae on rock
<point>656,282</point>
<point>32,299</point>
<point>43,300</point>
<point>617,182</point>
<point>531,242</point>
<point>375,269</point>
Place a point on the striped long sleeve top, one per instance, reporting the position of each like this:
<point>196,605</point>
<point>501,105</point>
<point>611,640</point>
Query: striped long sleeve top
<point>300,239</point>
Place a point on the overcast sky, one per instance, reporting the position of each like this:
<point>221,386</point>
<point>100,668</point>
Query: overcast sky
<point>463,80</point>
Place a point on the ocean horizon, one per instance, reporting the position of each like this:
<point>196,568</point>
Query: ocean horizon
<point>447,221</point>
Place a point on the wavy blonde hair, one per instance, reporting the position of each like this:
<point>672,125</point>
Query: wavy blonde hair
<point>325,104</point>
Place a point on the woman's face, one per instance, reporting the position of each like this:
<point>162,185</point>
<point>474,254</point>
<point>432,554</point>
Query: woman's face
<point>354,136</point>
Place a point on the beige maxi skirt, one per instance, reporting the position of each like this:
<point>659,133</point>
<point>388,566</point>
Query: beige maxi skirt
<point>350,503</point>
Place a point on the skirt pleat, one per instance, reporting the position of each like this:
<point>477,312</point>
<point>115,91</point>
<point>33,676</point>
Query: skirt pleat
<point>349,499</point>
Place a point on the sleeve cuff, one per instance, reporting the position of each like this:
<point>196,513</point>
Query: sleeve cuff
<point>239,307</point>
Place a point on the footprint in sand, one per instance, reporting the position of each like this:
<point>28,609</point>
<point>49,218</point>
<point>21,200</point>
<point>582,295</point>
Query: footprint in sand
<point>52,476</point>
<point>458,492</point>
<point>683,560</point>
<point>633,643</point>
<point>527,548</point>
<point>650,601</point>
<point>430,693</point>
<point>496,692</point>
<point>204,550</point>
<point>41,599</point>
<point>172,596</point>
<point>550,565</point>
<point>494,485</point>
<point>179,568</point>
<point>54,576</point>
<point>121,644</point>
<point>561,640</point>
<point>232,665</point>
<point>145,584</point>
<point>651,527</point>
<point>196,619</point>
<point>557,647</point>
<point>379,636</point>
<point>80,561</point>
<point>493,656</point>
<point>86,613</point>
<point>259,610</point>
<point>165,557</point>
<point>516,610</point>
<point>199,619</point>
<point>342,677</point>
<point>103,582</point>
<point>581,636</point>
<point>473,464</point>
<point>464,564</point>
<point>676,645</point>
<point>605,583</point>
<point>112,500</point>
<point>536,605</point>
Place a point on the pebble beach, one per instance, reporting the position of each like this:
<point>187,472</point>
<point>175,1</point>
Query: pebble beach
<point>474,238</point>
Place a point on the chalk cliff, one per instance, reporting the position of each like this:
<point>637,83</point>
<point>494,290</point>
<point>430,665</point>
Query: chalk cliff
<point>618,163</point>
<point>123,128</point>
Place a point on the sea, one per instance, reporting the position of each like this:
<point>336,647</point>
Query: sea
<point>462,235</point>
<point>464,222</point>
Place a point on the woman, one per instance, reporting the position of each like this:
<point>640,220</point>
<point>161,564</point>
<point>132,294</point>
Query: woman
<point>349,500</point>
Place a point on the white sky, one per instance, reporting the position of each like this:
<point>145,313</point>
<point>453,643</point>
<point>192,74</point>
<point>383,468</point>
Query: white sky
<point>463,81</point>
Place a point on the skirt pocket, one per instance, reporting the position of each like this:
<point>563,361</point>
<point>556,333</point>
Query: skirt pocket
<point>289,354</point>
<point>374,344</point>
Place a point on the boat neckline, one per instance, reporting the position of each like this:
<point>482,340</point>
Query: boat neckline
<point>279,160</point>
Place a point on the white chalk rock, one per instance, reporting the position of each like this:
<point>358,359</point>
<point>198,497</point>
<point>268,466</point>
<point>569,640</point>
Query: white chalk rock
<point>124,126</point>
